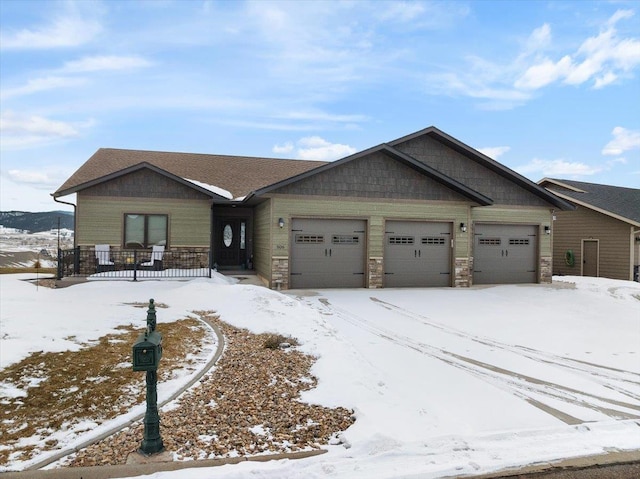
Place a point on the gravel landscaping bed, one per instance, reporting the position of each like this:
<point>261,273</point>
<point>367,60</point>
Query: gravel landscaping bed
<point>248,405</point>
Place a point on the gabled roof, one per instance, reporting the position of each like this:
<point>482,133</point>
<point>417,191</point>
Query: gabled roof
<point>487,162</point>
<point>144,165</point>
<point>223,177</point>
<point>397,155</point>
<point>239,175</point>
<point>615,201</point>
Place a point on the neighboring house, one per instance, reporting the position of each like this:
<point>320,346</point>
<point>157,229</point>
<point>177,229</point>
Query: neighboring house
<point>423,210</point>
<point>602,236</point>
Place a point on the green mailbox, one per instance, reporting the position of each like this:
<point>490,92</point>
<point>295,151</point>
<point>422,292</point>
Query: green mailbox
<point>147,351</point>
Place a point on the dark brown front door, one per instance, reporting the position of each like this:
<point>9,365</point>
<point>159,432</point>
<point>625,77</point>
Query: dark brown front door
<point>590,258</point>
<point>227,244</point>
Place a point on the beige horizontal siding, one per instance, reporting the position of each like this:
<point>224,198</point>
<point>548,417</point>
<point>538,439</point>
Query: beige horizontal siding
<point>614,237</point>
<point>262,240</point>
<point>101,219</point>
<point>374,212</point>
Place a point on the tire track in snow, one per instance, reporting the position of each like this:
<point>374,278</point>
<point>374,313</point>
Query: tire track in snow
<point>606,376</point>
<point>527,388</point>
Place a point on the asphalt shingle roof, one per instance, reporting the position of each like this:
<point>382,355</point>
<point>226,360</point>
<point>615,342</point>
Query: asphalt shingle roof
<point>623,202</point>
<point>240,175</point>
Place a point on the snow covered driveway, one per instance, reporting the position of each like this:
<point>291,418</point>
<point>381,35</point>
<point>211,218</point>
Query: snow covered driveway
<point>451,381</point>
<point>486,359</point>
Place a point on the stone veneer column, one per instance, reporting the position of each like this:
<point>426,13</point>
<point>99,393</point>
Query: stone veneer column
<point>546,273</point>
<point>463,272</point>
<point>280,272</point>
<point>375,272</point>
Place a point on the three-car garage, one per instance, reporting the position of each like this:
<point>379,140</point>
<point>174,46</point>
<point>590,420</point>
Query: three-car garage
<point>332,253</point>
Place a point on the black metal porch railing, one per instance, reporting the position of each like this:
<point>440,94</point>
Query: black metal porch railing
<point>134,264</point>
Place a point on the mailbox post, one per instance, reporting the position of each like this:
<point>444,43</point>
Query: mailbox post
<point>147,351</point>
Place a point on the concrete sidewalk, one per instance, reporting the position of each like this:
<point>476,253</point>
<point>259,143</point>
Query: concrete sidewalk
<point>162,462</point>
<point>574,464</point>
<point>146,466</point>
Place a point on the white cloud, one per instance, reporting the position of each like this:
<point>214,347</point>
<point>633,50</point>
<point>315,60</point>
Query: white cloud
<point>623,140</point>
<point>68,30</point>
<point>401,11</point>
<point>42,84</point>
<point>35,178</point>
<point>539,39</point>
<point>315,115</point>
<point>544,73</point>
<point>283,149</point>
<point>601,58</point>
<point>315,148</point>
<point>84,65</point>
<point>494,151</point>
<point>604,80</point>
<point>104,63</point>
<point>22,131</point>
<point>558,168</point>
<point>617,161</point>
<point>620,15</point>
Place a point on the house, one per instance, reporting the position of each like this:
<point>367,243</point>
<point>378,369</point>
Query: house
<point>602,236</point>
<point>422,210</point>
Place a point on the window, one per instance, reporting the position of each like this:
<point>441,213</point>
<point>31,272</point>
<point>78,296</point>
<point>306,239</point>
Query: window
<point>345,239</point>
<point>433,240</point>
<point>489,241</point>
<point>309,239</point>
<point>519,241</point>
<point>400,239</point>
<point>145,231</point>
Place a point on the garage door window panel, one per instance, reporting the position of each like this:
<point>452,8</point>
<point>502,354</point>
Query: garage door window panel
<point>345,240</point>
<point>309,239</point>
<point>433,241</point>
<point>401,240</point>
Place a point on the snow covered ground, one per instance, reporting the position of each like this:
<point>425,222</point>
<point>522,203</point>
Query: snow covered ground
<point>443,381</point>
<point>19,249</point>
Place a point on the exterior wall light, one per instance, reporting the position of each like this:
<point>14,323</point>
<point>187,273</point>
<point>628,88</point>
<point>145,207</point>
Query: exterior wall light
<point>463,227</point>
<point>547,230</point>
<point>281,222</point>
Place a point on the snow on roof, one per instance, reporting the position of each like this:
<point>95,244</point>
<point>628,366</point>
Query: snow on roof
<point>214,189</point>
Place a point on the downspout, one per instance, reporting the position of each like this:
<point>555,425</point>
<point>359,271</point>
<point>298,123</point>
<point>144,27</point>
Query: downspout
<point>635,273</point>
<point>211,238</point>
<point>74,216</point>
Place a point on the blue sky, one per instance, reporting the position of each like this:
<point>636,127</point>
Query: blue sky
<point>547,88</point>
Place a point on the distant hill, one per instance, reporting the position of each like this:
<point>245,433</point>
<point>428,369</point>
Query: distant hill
<point>36,222</point>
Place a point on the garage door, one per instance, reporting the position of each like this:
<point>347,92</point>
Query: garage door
<point>505,254</point>
<point>328,253</point>
<point>417,254</point>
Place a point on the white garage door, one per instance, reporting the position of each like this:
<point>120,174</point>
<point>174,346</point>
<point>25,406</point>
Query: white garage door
<point>328,253</point>
<point>417,254</point>
<point>505,254</point>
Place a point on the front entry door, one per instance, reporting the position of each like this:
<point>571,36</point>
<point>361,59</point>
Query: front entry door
<point>229,242</point>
